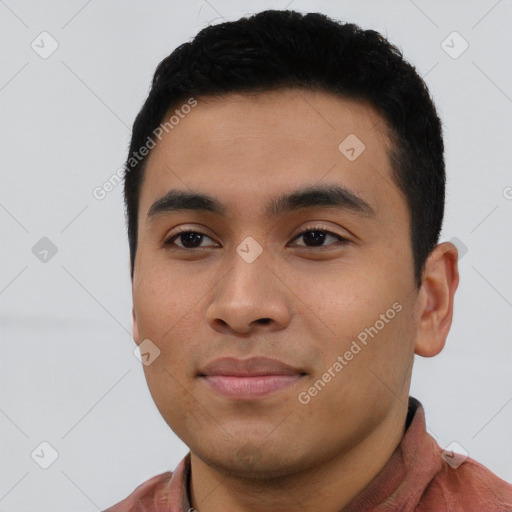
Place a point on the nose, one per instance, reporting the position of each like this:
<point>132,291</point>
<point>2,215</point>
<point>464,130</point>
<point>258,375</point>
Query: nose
<point>250,297</point>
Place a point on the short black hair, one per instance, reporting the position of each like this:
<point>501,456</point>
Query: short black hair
<point>276,49</point>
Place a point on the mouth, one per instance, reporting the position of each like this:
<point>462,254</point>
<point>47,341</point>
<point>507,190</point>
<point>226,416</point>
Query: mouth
<point>248,388</point>
<point>249,379</point>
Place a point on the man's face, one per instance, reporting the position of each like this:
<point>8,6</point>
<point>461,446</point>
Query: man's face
<point>304,300</point>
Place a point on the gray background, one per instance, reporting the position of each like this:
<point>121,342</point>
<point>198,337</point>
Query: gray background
<point>67,371</point>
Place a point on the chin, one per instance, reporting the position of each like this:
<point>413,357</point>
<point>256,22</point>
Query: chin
<point>243,458</point>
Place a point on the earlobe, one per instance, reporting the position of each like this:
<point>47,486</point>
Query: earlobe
<point>135,328</point>
<point>440,281</point>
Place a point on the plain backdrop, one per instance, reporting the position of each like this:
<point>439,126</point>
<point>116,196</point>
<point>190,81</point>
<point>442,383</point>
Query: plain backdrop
<point>68,375</point>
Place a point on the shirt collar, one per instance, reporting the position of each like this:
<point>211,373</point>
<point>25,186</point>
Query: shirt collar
<point>408,472</point>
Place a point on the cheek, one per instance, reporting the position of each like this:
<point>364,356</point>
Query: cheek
<point>162,300</point>
<point>170,392</point>
<point>167,315</point>
<point>343,301</point>
<point>361,317</point>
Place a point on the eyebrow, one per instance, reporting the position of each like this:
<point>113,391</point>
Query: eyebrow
<point>335,196</point>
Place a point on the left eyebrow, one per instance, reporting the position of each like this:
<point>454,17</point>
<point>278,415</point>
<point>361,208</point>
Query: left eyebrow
<point>321,196</point>
<point>330,195</point>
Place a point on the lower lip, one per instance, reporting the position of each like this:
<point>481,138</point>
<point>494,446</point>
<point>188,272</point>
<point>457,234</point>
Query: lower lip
<point>250,387</point>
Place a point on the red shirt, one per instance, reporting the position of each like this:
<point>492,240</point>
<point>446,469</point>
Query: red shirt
<point>417,477</point>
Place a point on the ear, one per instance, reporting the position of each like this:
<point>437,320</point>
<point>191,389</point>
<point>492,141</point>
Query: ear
<point>135,328</point>
<point>439,283</point>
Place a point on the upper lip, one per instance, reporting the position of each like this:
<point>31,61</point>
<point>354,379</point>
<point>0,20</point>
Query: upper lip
<point>248,367</point>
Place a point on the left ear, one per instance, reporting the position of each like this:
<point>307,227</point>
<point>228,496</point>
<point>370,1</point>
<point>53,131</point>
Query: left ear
<point>439,282</point>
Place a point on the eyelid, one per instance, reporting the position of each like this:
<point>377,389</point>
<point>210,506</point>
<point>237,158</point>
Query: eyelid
<point>169,239</point>
<point>319,227</point>
<point>341,242</point>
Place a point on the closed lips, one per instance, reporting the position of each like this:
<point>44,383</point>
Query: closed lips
<point>252,367</point>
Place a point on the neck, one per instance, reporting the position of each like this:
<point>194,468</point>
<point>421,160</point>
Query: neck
<point>328,486</point>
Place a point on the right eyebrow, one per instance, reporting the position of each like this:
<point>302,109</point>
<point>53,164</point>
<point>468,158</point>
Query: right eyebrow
<point>181,200</point>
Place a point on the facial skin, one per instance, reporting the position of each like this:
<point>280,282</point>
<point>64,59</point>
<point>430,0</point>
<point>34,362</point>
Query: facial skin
<point>199,304</point>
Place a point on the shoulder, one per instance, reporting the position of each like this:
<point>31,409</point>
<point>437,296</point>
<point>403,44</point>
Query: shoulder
<point>469,487</point>
<point>142,494</point>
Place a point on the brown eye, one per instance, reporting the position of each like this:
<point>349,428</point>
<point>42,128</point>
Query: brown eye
<point>315,237</point>
<point>188,239</point>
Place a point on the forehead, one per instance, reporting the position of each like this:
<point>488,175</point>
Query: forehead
<point>243,148</point>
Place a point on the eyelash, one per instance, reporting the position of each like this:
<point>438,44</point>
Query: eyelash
<point>169,243</point>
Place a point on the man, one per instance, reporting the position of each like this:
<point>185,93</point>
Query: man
<point>285,194</point>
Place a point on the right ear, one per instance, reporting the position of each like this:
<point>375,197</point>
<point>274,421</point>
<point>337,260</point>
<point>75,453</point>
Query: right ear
<point>135,328</point>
